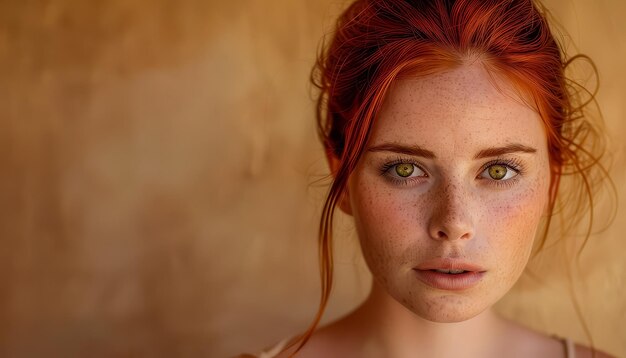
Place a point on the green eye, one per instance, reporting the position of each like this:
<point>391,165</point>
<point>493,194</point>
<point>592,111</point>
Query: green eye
<point>405,169</point>
<point>497,172</point>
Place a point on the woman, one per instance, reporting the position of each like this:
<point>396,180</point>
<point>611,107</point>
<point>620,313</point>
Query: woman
<point>448,126</point>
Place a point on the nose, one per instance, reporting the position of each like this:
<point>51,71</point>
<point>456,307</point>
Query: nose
<point>451,216</point>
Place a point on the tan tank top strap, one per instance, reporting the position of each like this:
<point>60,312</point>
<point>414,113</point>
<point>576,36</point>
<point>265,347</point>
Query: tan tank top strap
<point>570,350</point>
<point>273,352</point>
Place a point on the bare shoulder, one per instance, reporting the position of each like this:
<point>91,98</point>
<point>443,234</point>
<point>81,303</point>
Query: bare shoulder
<point>587,352</point>
<point>334,340</point>
<point>288,347</point>
<point>276,350</point>
<point>538,344</point>
<point>527,342</point>
<point>317,346</point>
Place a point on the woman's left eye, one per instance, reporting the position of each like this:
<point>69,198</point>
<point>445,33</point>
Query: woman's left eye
<point>499,172</point>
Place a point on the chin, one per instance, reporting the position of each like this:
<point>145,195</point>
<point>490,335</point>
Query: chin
<point>452,315</point>
<point>446,308</point>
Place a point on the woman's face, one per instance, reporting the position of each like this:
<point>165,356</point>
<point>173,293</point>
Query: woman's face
<point>455,176</point>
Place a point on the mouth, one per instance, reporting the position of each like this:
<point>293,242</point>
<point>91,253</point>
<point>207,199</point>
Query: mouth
<point>449,274</point>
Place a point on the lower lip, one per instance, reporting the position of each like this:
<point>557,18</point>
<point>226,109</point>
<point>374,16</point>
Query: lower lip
<point>450,282</point>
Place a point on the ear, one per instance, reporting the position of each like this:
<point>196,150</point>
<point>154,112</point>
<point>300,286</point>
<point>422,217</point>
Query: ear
<point>344,200</point>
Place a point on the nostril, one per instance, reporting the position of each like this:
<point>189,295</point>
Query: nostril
<point>441,234</point>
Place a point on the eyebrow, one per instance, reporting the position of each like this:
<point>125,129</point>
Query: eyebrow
<point>416,150</point>
<point>498,151</point>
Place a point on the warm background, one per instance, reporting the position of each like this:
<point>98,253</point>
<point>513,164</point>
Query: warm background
<point>160,181</point>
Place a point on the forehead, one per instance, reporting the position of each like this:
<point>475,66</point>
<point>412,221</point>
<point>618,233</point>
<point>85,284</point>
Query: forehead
<point>457,111</point>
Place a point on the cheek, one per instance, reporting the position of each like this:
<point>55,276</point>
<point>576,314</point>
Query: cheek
<point>512,221</point>
<point>392,223</point>
<point>388,222</point>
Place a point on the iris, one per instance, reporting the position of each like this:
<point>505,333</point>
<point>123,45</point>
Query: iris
<point>404,170</point>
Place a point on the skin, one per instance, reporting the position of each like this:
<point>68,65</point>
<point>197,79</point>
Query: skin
<point>452,207</point>
<point>449,207</point>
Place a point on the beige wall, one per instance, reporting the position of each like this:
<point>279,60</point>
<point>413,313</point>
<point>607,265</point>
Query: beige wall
<point>159,192</point>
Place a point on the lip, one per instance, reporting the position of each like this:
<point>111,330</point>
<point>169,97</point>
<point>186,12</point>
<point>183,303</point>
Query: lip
<point>426,273</point>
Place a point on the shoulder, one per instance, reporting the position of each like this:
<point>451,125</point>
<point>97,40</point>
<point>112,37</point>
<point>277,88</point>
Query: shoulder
<point>545,345</point>
<point>522,341</point>
<point>322,343</point>
<point>274,351</point>
<point>587,352</point>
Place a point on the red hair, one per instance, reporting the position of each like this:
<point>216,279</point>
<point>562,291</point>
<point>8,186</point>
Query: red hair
<point>378,41</point>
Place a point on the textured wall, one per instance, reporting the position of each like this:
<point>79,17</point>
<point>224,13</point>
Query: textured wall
<point>160,181</point>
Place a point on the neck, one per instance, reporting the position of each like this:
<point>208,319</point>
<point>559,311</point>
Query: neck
<point>390,329</point>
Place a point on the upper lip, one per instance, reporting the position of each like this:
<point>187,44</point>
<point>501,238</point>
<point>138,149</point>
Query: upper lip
<point>449,264</point>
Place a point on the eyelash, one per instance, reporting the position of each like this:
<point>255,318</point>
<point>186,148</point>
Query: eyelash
<point>513,164</point>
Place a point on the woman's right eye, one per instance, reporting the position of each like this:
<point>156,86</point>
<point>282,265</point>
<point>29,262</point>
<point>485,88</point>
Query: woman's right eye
<point>405,170</point>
